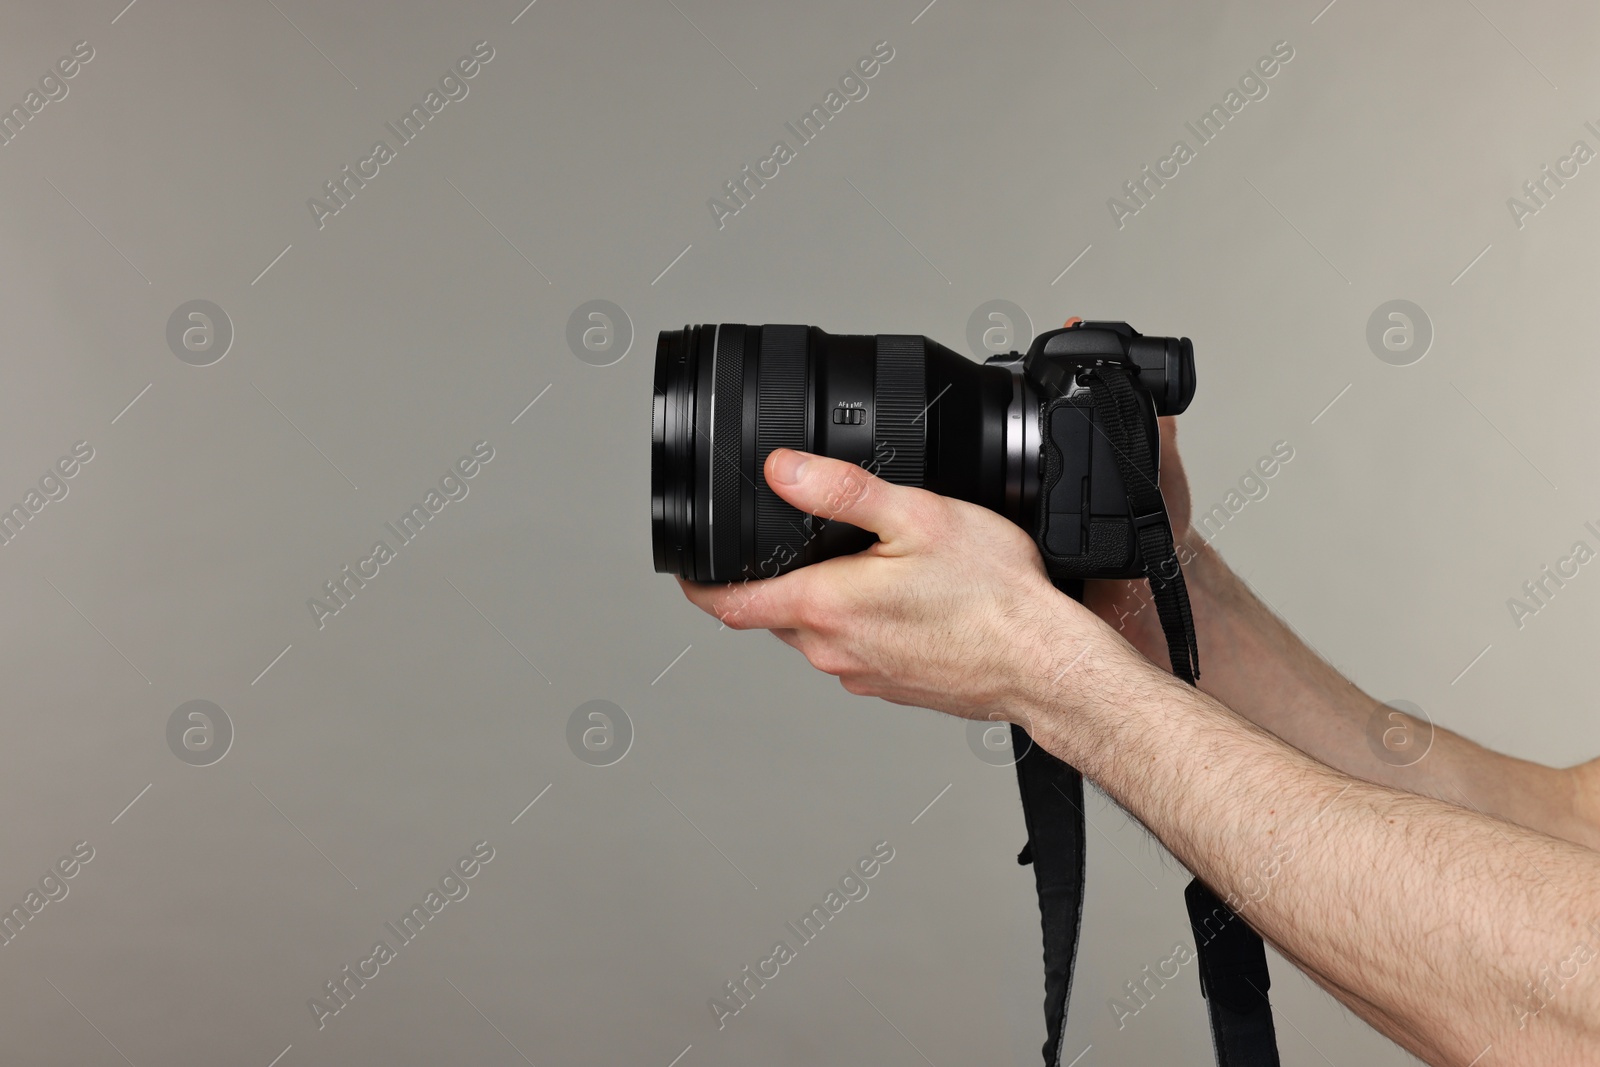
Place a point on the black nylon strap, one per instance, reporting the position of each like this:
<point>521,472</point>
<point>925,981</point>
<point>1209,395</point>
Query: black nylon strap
<point>1234,981</point>
<point>1118,409</point>
<point>1052,806</point>
<point>1232,959</point>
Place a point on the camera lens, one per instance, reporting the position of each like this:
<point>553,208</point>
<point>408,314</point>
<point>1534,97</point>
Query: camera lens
<point>901,406</point>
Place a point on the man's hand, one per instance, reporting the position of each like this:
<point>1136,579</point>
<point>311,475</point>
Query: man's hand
<point>950,610</point>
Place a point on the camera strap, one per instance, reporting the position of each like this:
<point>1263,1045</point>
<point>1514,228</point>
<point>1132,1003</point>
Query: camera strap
<point>1232,960</point>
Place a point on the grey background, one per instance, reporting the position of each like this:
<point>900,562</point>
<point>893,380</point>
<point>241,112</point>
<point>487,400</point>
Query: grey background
<point>432,710</point>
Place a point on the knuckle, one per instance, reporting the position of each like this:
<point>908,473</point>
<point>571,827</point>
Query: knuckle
<point>816,619</point>
<point>734,611</point>
<point>827,659</point>
<point>856,685</point>
<point>818,609</point>
<point>806,613</point>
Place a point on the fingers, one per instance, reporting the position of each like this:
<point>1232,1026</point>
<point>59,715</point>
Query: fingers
<point>834,489</point>
<point>766,604</point>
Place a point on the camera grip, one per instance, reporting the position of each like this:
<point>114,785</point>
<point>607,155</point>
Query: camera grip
<point>1084,526</point>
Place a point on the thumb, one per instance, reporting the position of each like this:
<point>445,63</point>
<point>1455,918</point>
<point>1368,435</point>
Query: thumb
<point>834,489</point>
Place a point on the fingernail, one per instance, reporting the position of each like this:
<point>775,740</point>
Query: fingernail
<point>788,466</point>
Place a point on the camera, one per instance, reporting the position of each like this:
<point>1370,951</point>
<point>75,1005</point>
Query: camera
<point>1043,439</point>
<point>1062,441</point>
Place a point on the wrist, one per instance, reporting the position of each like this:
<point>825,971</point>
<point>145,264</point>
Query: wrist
<point>1089,688</point>
<point>1129,607</point>
<point>1085,689</point>
<point>1203,568</point>
<point>1214,601</point>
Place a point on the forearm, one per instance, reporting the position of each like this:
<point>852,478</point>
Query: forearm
<point>1252,662</point>
<point>1439,916</point>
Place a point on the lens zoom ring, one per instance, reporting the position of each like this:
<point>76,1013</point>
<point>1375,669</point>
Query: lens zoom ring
<point>727,422</point>
<point>900,398</point>
<point>780,423</point>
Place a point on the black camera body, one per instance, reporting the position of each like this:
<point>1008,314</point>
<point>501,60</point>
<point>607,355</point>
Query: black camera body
<point>1026,436</point>
<point>1084,526</point>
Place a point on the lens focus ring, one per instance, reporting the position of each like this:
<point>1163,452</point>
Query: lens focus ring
<point>780,423</point>
<point>900,398</point>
